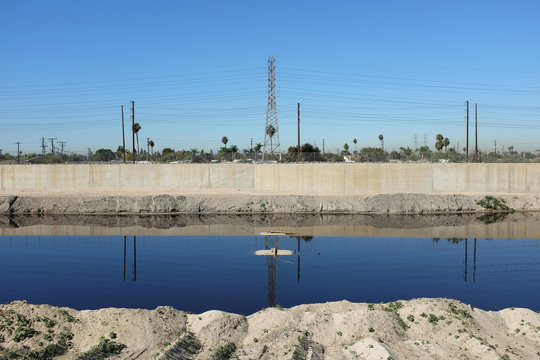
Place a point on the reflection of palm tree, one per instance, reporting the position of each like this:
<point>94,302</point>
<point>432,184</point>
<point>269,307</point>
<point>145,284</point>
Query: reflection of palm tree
<point>136,128</point>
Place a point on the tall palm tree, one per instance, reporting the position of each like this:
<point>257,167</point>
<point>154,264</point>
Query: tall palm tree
<point>355,147</point>
<point>151,143</point>
<point>270,131</point>
<point>346,148</point>
<point>136,128</point>
<point>381,139</point>
<point>224,140</point>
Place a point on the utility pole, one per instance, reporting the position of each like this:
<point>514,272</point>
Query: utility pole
<point>467,147</point>
<point>62,144</point>
<point>495,150</point>
<point>147,147</point>
<point>123,136</point>
<point>52,145</point>
<point>323,146</point>
<point>475,133</point>
<point>18,152</point>
<point>299,148</point>
<point>415,141</point>
<point>43,147</point>
<point>133,127</point>
<point>251,148</point>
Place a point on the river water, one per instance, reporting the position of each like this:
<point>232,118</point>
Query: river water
<point>202,272</point>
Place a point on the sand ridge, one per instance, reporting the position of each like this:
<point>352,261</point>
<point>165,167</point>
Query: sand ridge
<point>427,328</point>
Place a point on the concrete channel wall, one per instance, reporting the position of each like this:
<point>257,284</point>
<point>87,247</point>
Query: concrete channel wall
<point>302,179</point>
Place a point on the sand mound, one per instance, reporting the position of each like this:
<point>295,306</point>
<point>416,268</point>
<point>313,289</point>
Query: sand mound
<point>414,329</point>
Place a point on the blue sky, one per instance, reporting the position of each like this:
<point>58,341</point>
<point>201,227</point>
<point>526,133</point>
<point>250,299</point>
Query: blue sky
<point>197,71</point>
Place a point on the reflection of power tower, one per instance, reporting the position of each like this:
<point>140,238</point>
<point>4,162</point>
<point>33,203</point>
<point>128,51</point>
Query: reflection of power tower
<point>271,262</point>
<point>271,128</point>
<point>134,265</point>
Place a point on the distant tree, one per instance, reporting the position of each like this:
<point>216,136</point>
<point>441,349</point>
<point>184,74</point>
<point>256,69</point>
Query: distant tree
<point>372,154</point>
<point>257,148</point>
<point>446,142</point>
<point>151,143</point>
<point>234,150</point>
<point>439,144</point>
<point>424,151</point>
<point>103,155</point>
<point>406,153</point>
<point>381,139</point>
<point>355,147</point>
<point>308,153</point>
<point>346,148</point>
<point>224,140</point>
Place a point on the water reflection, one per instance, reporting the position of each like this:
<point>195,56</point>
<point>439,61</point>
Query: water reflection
<point>134,265</point>
<point>188,272</point>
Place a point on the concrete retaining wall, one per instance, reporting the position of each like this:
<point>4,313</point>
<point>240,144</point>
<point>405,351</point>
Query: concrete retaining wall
<point>302,179</point>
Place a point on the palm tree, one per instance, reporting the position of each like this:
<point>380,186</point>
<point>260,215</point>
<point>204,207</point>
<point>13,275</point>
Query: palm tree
<point>446,142</point>
<point>234,150</point>
<point>270,131</point>
<point>224,140</point>
<point>381,139</point>
<point>151,143</point>
<point>257,148</point>
<point>355,147</point>
<point>136,128</point>
<point>439,143</point>
<point>346,148</point>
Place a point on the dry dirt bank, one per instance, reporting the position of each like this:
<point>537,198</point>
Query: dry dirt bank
<point>415,329</point>
<point>242,202</point>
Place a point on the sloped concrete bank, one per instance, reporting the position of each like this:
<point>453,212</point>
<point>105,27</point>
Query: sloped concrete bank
<point>254,203</point>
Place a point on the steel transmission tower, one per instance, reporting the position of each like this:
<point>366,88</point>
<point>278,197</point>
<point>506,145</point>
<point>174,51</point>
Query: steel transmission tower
<point>271,129</point>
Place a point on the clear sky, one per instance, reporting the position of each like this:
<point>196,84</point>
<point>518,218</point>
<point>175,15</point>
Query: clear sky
<point>197,71</point>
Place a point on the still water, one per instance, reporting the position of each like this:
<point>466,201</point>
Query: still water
<point>199,273</point>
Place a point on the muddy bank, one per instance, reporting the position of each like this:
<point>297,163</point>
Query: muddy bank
<point>243,203</point>
<point>414,329</point>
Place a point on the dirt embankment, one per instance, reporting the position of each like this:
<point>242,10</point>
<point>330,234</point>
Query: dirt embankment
<point>415,329</point>
<point>245,203</point>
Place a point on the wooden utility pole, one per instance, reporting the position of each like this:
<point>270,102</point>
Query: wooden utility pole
<point>133,128</point>
<point>299,148</point>
<point>475,133</point>
<point>123,136</point>
<point>467,147</point>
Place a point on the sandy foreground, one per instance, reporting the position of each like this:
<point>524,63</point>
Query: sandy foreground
<point>415,329</point>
